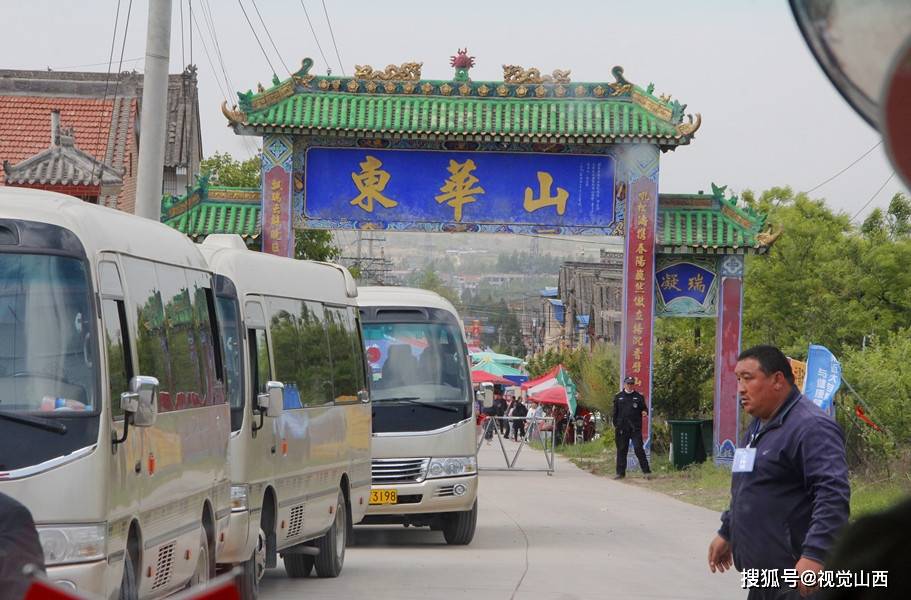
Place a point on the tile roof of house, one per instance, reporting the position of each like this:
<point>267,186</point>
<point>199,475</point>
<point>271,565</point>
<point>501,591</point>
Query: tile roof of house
<point>87,102</point>
<point>62,164</point>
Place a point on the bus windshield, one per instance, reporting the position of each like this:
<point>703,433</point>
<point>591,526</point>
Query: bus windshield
<point>46,336</point>
<point>422,362</point>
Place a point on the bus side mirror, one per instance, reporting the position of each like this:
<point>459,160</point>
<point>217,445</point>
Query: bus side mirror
<point>272,402</point>
<point>363,396</point>
<point>141,402</point>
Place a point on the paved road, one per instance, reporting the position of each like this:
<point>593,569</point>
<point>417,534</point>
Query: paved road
<point>571,535</point>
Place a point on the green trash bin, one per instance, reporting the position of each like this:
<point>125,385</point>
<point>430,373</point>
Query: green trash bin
<point>686,436</point>
<point>708,437</point>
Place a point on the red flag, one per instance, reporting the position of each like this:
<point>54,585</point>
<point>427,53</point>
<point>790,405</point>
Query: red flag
<point>863,417</point>
<point>223,588</point>
<point>42,590</point>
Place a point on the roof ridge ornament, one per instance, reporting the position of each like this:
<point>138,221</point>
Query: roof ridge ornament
<point>517,74</point>
<point>409,71</point>
<point>690,126</point>
<point>462,62</point>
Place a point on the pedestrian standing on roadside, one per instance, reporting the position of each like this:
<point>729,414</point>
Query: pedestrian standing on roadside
<point>629,406</point>
<point>789,485</point>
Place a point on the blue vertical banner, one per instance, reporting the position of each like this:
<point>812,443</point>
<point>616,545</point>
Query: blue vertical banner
<point>823,377</point>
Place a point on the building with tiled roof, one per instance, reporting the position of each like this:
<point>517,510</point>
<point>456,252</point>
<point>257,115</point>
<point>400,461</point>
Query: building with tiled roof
<point>98,122</point>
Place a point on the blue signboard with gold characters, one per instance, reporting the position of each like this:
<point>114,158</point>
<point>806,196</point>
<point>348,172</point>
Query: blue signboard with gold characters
<point>686,288</point>
<point>459,191</point>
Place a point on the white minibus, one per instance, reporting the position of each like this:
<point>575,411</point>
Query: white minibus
<point>299,452</point>
<point>425,469</point>
<point>114,422</point>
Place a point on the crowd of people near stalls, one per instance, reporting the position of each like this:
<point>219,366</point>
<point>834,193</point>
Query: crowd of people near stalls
<point>541,420</point>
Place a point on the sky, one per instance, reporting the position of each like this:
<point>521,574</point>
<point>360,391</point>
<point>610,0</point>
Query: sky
<point>770,117</point>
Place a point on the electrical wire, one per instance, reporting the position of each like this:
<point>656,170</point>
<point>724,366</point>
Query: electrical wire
<point>332,35</point>
<point>269,35</point>
<point>107,143</point>
<point>315,39</point>
<point>183,56</point>
<point>875,194</point>
<point>98,64</point>
<point>250,23</point>
<point>209,20</point>
<point>857,160</point>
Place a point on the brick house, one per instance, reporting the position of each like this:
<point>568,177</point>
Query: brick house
<point>78,133</point>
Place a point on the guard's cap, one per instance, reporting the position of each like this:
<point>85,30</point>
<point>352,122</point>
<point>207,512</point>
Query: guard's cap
<point>630,379</point>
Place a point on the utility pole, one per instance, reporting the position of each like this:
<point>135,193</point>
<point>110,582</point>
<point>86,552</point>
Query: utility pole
<point>154,111</point>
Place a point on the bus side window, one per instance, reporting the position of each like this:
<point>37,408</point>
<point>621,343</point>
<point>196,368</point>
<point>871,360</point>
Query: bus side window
<point>358,342</point>
<point>120,363</point>
<point>260,368</point>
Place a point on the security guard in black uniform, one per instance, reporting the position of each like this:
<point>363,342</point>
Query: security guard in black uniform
<point>628,408</point>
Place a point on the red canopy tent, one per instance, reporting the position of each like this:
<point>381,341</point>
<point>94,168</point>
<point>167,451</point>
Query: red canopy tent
<point>479,376</point>
<point>553,395</point>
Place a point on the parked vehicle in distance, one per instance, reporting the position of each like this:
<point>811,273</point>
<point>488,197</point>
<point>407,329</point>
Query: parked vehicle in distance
<point>299,453</point>
<point>114,422</point>
<point>425,469</point>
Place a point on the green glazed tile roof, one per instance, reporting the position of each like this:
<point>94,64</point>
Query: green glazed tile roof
<point>209,209</point>
<point>580,112</point>
<point>709,223</point>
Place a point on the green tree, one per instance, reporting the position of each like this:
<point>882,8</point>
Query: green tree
<point>224,169</point>
<point>428,279</point>
<point>315,244</point>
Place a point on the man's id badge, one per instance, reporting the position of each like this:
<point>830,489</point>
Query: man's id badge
<point>743,460</point>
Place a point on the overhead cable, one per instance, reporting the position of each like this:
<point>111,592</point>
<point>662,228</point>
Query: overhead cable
<point>332,35</point>
<point>271,41</point>
<point>313,31</point>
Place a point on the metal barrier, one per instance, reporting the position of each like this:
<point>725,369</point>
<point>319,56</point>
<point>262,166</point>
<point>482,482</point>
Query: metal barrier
<point>534,430</point>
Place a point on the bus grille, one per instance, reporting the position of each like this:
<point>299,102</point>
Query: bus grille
<point>399,470</point>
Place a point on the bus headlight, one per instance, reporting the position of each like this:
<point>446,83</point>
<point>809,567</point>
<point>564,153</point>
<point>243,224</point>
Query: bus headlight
<point>239,494</point>
<point>72,543</point>
<point>452,466</point>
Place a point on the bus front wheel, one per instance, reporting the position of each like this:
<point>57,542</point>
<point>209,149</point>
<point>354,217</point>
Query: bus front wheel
<point>458,527</point>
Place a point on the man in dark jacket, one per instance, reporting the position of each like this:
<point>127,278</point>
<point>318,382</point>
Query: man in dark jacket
<point>629,406</point>
<point>789,487</point>
<point>19,546</point>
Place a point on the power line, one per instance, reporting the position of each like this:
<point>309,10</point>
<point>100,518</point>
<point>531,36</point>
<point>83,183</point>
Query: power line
<point>98,64</point>
<point>247,17</point>
<point>107,79</point>
<point>857,160</point>
<point>332,35</point>
<point>209,20</point>
<point>183,56</point>
<point>279,54</point>
<point>315,39</point>
<point>566,239</point>
<point>875,194</point>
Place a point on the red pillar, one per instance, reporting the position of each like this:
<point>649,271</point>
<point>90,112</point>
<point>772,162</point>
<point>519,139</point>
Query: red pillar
<point>639,291</point>
<point>727,347</point>
<point>277,233</point>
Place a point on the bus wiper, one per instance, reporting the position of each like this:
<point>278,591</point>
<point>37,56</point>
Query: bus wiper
<point>416,400</point>
<point>38,422</point>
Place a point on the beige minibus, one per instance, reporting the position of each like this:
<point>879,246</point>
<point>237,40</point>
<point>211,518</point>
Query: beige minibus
<point>114,421</point>
<point>299,451</point>
<point>425,469</point>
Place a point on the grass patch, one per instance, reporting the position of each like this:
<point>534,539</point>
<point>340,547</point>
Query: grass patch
<point>709,486</point>
<point>874,496</point>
